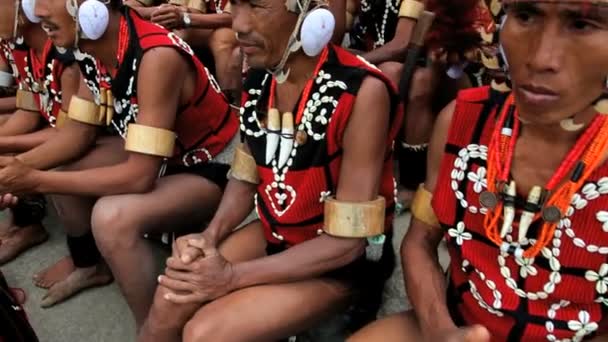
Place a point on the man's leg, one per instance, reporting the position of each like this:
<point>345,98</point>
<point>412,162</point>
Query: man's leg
<point>75,214</point>
<point>265,313</point>
<point>166,320</point>
<point>401,327</point>
<point>178,202</point>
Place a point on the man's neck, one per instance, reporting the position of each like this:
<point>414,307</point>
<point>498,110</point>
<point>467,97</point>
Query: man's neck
<point>301,68</point>
<point>105,48</point>
<point>556,133</point>
<point>35,38</point>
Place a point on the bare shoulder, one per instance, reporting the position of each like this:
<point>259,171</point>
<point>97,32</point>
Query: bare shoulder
<point>71,72</point>
<point>165,58</point>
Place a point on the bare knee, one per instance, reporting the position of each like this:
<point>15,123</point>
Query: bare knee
<point>113,226</point>
<point>392,70</point>
<point>209,327</point>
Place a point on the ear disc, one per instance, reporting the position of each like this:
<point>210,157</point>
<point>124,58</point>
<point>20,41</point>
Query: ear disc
<point>93,17</point>
<point>28,9</point>
<point>317,30</point>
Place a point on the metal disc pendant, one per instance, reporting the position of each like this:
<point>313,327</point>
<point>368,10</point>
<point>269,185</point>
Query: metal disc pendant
<point>551,214</point>
<point>36,87</point>
<point>488,200</point>
<point>301,137</point>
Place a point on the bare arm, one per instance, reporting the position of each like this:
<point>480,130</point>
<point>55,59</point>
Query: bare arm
<point>427,290</point>
<point>395,49</point>
<point>20,122</point>
<point>69,142</point>
<point>7,105</point>
<point>158,99</point>
<point>210,21</point>
<point>143,11</point>
<point>360,175</point>
<point>25,142</point>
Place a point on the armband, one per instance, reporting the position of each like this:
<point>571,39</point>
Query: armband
<point>150,140</point>
<point>354,219</point>
<point>243,167</point>
<point>411,9</point>
<point>85,111</point>
<point>25,100</point>
<point>62,117</point>
<point>6,79</point>
<point>421,207</point>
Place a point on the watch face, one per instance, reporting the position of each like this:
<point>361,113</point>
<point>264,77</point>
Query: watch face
<point>187,19</point>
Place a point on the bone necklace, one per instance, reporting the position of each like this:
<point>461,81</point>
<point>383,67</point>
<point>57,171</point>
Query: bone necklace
<point>549,203</point>
<point>280,128</point>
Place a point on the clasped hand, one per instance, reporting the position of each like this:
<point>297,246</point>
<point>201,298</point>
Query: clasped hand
<point>16,178</point>
<point>196,272</point>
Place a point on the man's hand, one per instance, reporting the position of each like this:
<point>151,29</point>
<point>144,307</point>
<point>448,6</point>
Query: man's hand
<point>476,333</point>
<point>190,247</point>
<point>16,177</point>
<point>202,280</point>
<point>169,16</point>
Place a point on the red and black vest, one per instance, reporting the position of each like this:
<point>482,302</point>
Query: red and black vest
<point>204,126</point>
<point>289,200</point>
<point>560,294</point>
<point>40,76</point>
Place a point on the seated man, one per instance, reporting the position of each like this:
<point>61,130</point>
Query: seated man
<point>114,191</point>
<point>47,81</point>
<point>319,189</point>
<point>516,185</point>
<point>206,25</point>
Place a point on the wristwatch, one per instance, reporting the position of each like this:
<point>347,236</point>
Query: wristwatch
<point>186,19</point>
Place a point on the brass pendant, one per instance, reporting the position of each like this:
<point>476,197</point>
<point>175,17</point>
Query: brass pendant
<point>551,214</point>
<point>488,200</point>
<point>301,137</point>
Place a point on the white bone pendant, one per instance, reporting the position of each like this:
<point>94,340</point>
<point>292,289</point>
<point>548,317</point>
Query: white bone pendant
<point>508,211</point>
<point>272,135</point>
<point>317,30</point>
<point>527,216</point>
<point>287,132</point>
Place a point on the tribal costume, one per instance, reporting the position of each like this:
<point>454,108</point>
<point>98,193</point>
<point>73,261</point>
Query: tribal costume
<point>553,295</point>
<point>205,127</point>
<point>297,178</point>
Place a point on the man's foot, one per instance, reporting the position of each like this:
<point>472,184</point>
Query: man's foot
<point>7,226</point>
<point>54,273</point>
<point>19,295</point>
<point>20,240</point>
<point>78,280</point>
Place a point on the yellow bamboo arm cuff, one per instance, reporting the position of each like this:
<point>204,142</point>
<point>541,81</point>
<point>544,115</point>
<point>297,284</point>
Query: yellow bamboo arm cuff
<point>421,207</point>
<point>244,167</point>
<point>354,219</point>
<point>25,100</point>
<point>85,111</point>
<point>62,117</point>
<point>150,140</point>
<point>411,9</point>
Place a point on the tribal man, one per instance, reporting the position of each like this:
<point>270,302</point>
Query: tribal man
<point>318,125</point>
<point>178,143</point>
<point>46,81</point>
<point>517,186</point>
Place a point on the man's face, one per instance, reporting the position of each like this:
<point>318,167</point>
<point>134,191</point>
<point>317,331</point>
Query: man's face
<point>558,56</point>
<point>57,22</point>
<point>263,29</point>
<point>7,19</point>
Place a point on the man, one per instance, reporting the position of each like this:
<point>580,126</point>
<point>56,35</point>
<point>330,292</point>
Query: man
<point>46,80</point>
<point>129,52</point>
<point>304,259</point>
<point>515,185</point>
